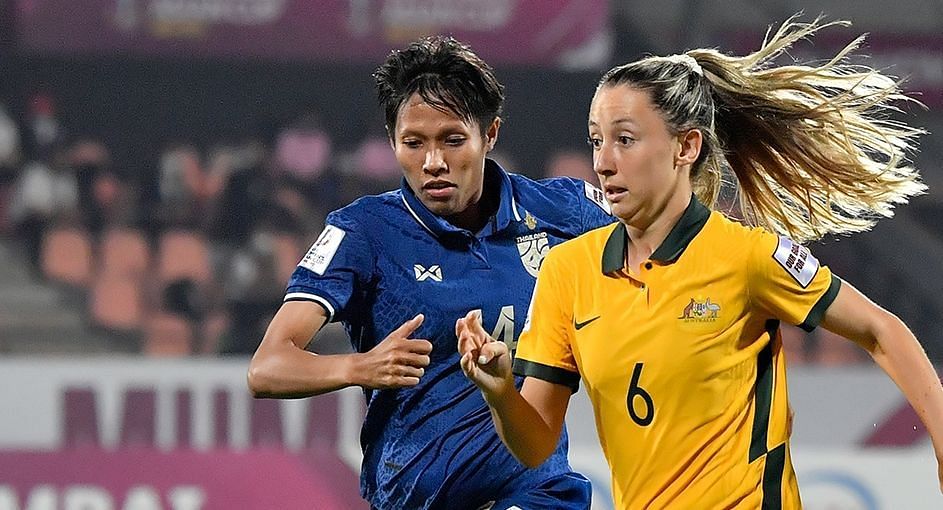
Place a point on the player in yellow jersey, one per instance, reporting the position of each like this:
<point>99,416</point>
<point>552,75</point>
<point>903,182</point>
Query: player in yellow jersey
<point>670,317</point>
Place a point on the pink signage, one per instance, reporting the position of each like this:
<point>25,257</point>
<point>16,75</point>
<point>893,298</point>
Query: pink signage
<point>538,32</point>
<point>94,479</point>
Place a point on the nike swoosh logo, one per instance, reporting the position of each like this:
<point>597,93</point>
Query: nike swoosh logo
<point>581,325</point>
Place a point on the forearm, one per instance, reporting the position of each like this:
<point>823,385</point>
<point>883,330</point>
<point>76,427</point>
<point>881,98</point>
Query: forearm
<point>900,355</point>
<point>522,429</point>
<point>291,372</point>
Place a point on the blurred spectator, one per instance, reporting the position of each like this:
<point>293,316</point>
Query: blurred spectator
<point>371,168</point>
<point>180,184</point>
<point>253,292</point>
<point>9,161</point>
<point>91,161</point>
<point>44,127</point>
<point>571,163</point>
<point>303,150</point>
<point>9,145</point>
<point>43,194</point>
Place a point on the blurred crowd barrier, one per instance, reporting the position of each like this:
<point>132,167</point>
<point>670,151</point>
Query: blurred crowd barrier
<point>138,433</point>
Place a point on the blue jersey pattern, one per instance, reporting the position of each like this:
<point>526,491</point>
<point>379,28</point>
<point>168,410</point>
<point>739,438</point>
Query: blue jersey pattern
<point>434,445</point>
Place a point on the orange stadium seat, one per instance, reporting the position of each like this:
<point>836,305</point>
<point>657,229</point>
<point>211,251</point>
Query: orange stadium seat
<point>167,335</point>
<point>124,252</point>
<point>183,255</point>
<point>214,326</point>
<point>66,256</point>
<point>116,303</point>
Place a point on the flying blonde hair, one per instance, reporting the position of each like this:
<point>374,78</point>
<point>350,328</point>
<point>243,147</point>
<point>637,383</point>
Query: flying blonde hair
<point>813,148</point>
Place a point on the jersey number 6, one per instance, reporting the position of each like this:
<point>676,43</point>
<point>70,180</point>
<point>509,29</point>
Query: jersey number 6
<point>636,391</point>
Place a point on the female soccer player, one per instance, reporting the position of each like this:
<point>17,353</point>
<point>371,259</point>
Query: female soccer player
<point>398,269</point>
<point>671,316</point>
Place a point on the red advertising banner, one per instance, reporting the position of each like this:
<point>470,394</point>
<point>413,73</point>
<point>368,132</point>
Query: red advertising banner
<point>93,479</point>
<point>570,33</point>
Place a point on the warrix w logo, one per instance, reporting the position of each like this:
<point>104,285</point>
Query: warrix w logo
<point>433,273</point>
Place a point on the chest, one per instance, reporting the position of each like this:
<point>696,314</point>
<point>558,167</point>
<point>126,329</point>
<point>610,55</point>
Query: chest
<point>683,324</point>
<point>444,281</point>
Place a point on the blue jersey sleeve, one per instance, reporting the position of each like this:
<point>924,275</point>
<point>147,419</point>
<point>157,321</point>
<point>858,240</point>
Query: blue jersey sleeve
<point>336,268</point>
<point>594,210</point>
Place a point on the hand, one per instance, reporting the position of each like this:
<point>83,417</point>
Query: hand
<point>485,361</point>
<point>396,362</point>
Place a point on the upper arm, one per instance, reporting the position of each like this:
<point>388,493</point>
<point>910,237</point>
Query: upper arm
<point>550,400</point>
<point>788,282</point>
<point>855,317</point>
<point>296,322</point>
<point>544,350</point>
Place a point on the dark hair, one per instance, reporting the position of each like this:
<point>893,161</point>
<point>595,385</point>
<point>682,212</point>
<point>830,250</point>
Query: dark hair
<point>448,76</point>
<point>810,146</point>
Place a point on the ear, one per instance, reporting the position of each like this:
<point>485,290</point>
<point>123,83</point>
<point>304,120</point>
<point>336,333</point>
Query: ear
<point>690,147</point>
<point>491,135</point>
<point>389,137</point>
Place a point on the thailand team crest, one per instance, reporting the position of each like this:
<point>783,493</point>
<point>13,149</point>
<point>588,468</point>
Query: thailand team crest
<point>533,248</point>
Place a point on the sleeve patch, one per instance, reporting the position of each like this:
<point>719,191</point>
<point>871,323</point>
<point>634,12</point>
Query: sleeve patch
<point>321,253</point>
<point>797,260</point>
<point>596,196</point>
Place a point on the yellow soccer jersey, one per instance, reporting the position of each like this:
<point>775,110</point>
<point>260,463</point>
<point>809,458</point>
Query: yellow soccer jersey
<point>681,357</point>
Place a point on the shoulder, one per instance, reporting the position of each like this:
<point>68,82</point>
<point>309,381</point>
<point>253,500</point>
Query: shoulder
<point>583,249</point>
<point>735,236</point>
<point>562,187</point>
<point>564,195</point>
<point>369,210</point>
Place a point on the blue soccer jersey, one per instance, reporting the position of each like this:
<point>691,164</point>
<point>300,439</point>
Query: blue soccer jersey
<point>385,258</point>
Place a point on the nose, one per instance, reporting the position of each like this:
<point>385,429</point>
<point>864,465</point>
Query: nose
<point>434,163</point>
<point>603,163</point>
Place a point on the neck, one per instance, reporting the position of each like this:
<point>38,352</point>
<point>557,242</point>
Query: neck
<point>474,217</point>
<point>646,237</point>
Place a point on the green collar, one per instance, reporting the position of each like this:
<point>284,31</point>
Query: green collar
<point>688,226</point>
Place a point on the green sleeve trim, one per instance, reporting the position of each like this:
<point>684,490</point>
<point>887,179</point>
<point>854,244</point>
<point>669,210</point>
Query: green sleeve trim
<point>547,373</point>
<point>818,310</point>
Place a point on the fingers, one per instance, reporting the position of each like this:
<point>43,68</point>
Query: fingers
<point>409,327</point>
<point>491,351</point>
<point>466,341</point>
<point>473,320</point>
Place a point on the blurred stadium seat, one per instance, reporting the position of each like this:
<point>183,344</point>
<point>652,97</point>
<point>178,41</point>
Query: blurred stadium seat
<point>116,303</point>
<point>66,256</point>
<point>124,252</point>
<point>167,335</point>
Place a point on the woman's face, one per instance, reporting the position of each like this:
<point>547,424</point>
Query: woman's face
<point>641,165</point>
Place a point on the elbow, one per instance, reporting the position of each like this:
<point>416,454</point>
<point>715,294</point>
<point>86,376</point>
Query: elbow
<point>533,459</point>
<point>259,381</point>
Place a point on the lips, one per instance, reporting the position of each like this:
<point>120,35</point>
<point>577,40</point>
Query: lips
<point>614,193</point>
<point>439,188</point>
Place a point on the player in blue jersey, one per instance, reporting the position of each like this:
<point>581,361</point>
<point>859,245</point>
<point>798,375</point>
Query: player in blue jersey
<point>396,270</point>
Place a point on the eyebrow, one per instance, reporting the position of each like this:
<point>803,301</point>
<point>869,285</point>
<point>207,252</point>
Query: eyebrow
<point>442,133</point>
<point>624,120</point>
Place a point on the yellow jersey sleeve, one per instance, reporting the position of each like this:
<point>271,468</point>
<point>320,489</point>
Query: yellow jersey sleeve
<point>787,281</point>
<point>544,350</point>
